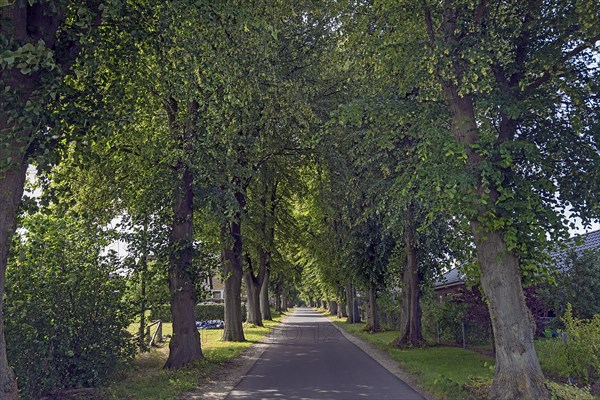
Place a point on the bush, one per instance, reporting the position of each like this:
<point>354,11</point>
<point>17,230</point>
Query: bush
<point>583,351</point>
<point>463,308</point>
<point>204,312</point>
<point>65,319</point>
<point>162,312</point>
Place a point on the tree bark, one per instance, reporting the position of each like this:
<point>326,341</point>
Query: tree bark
<point>12,183</point>
<point>284,300</point>
<point>278,301</point>
<point>342,310</point>
<point>352,305</point>
<point>265,307</point>
<point>410,325</point>
<point>333,308</point>
<point>253,286</point>
<point>184,347</point>
<point>232,271</point>
<point>373,324</point>
<point>518,371</point>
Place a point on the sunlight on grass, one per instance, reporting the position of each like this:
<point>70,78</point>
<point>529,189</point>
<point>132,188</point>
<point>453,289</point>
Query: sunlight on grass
<point>454,373</point>
<point>445,372</point>
<point>147,380</point>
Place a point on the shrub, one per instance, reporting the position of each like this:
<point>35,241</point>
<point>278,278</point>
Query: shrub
<point>583,350</point>
<point>204,312</point>
<point>65,319</point>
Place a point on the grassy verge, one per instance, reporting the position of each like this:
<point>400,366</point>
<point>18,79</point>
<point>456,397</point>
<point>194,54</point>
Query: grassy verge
<point>454,373</point>
<point>147,380</point>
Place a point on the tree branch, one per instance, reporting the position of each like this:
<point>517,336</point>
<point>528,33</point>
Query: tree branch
<point>548,74</point>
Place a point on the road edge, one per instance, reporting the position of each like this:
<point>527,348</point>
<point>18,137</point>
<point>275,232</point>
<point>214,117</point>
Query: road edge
<point>233,371</point>
<point>383,359</point>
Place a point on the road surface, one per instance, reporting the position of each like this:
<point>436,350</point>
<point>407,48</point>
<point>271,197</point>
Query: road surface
<point>308,358</point>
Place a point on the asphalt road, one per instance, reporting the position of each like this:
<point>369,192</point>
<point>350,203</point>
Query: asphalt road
<point>308,358</point>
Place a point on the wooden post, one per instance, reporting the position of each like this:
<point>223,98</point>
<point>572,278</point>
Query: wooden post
<point>159,334</point>
<point>147,336</point>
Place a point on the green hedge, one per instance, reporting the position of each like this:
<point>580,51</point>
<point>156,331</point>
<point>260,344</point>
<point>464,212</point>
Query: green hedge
<point>204,312</point>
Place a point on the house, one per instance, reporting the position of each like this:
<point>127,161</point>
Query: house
<point>589,241</point>
<point>449,283</point>
<point>453,280</point>
<point>216,288</point>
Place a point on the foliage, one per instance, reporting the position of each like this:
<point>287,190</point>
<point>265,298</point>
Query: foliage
<point>453,373</point>
<point>569,392</point>
<point>66,319</point>
<point>441,371</point>
<point>463,308</point>
<point>389,308</point>
<point>552,355</point>
<point>583,352</point>
<point>577,283</point>
<point>204,312</point>
<point>147,380</point>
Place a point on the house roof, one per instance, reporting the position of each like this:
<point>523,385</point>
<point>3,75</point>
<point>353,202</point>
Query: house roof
<point>591,240</point>
<point>450,278</point>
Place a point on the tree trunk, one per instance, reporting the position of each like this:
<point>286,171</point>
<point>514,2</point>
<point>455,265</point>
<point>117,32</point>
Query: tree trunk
<point>142,330</point>
<point>265,307</point>
<point>352,305</point>
<point>284,300</point>
<point>342,310</point>
<point>143,272</point>
<point>333,309</point>
<point>12,183</point>
<point>410,325</point>
<point>23,23</point>
<point>33,23</point>
<point>517,370</point>
<point>373,317</point>
<point>232,270</point>
<point>253,284</point>
<point>184,347</point>
<point>278,301</point>
<point>518,374</point>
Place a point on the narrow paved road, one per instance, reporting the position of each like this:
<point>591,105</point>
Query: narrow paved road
<point>308,358</point>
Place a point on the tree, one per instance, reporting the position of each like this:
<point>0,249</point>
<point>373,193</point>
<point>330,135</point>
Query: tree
<point>40,43</point>
<point>515,78</point>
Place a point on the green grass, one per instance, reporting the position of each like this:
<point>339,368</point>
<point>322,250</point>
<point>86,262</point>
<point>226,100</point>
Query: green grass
<point>444,372</point>
<point>552,356</point>
<point>454,373</point>
<point>147,380</point>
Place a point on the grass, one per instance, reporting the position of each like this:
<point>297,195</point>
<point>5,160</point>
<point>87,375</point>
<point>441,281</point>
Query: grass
<point>553,358</point>
<point>147,380</point>
<point>454,373</point>
<point>442,371</point>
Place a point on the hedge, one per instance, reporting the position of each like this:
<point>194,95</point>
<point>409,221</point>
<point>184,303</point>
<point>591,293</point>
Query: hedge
<point>204,312</point>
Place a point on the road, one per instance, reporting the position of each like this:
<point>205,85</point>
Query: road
<point>308,358</point>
